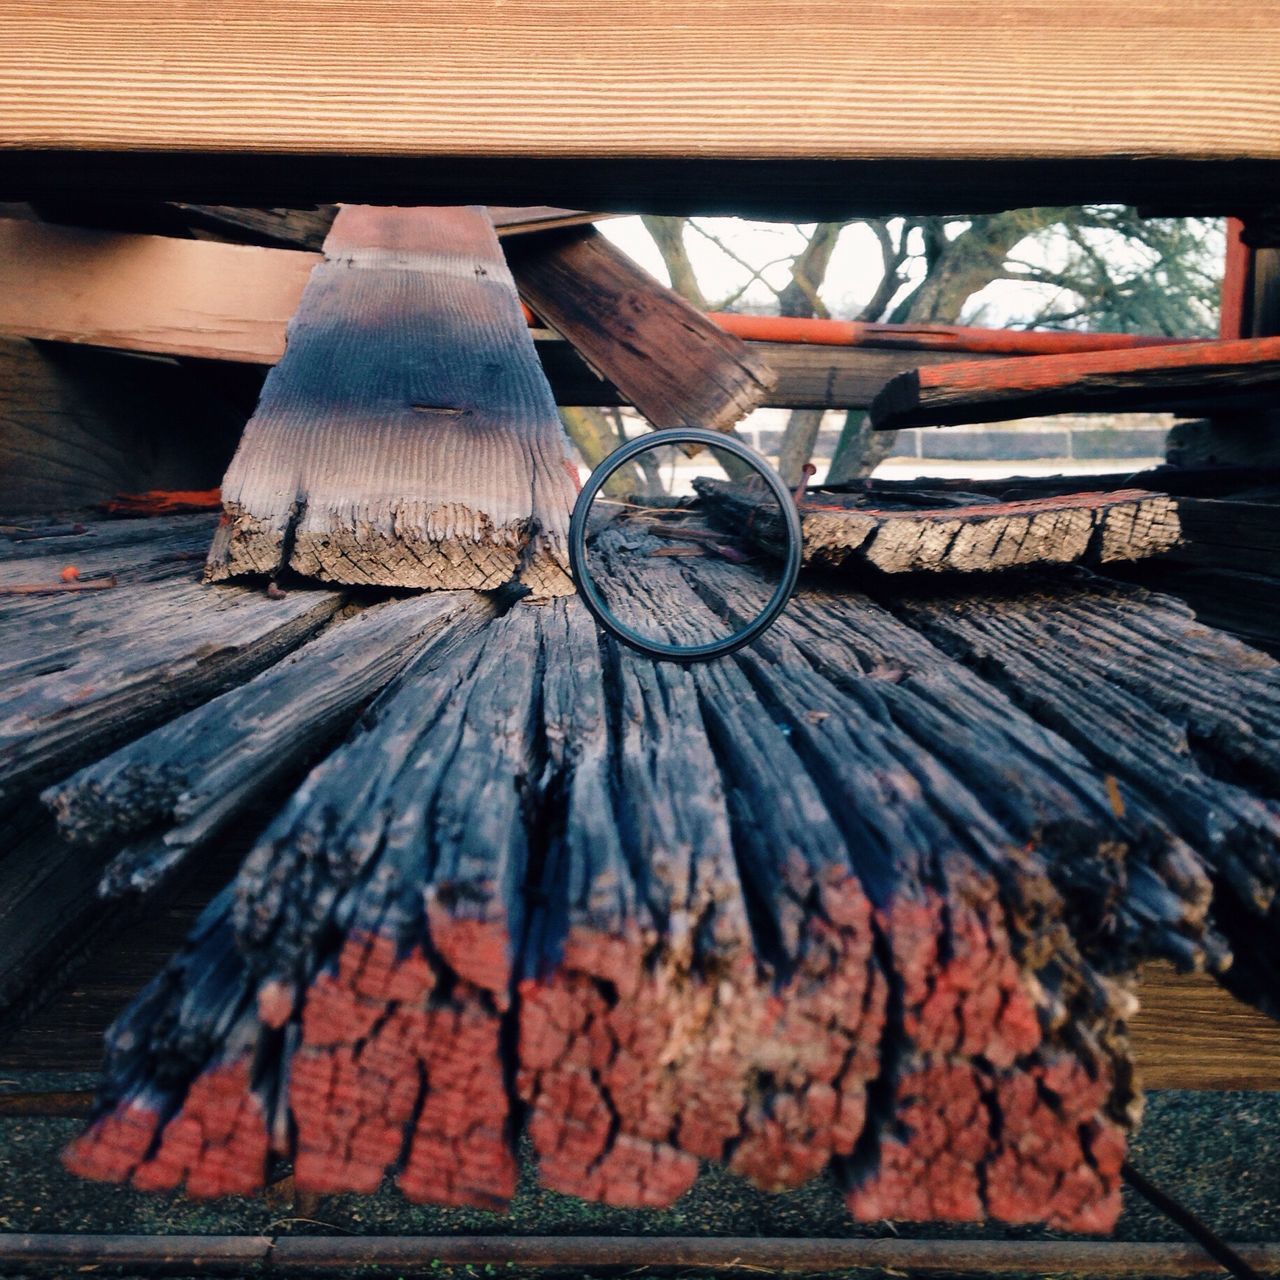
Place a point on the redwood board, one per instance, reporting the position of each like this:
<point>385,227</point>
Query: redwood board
<point>1244,374</point>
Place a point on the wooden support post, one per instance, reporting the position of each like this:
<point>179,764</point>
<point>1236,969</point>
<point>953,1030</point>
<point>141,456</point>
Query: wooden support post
<point>408,437</point>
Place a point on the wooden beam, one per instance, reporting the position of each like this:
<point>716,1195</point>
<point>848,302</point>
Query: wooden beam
<point>231,302</point>
<point>667,358</point>
<point>849,531</point>
<point>1237,375</point>
<point>159,798</point>
<point>408,437</point>
<point>148,293</point>
<point>87,671</point>
<point>802,86</point>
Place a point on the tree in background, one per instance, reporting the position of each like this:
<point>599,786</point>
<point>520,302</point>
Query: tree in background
<point>1096,268</point>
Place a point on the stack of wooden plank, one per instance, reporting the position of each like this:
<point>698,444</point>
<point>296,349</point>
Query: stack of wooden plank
<point>865,898</point>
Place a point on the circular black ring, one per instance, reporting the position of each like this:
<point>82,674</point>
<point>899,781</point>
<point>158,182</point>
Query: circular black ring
<point>578,545</point>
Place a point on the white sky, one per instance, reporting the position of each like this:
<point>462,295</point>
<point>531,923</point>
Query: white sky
<point>851,279</point>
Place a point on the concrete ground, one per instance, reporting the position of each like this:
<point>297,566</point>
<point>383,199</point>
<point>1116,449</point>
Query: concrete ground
<point>1219,1153</point>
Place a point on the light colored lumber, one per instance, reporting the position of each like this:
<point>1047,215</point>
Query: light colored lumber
<point>408,437</point>
<point>147,293</point>
<point>679,78</point>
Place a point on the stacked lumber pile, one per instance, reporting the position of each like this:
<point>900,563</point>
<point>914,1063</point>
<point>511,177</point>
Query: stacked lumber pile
<point>866,898</point>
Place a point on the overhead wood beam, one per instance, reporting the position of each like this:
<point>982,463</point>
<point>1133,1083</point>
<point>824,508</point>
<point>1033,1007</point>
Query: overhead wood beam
<point>687,105</point>
<point>1236,375</point>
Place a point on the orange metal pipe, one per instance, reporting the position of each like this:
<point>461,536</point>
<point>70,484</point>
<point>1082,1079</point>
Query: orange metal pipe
<point>923,337</point>
<point>930,337</point>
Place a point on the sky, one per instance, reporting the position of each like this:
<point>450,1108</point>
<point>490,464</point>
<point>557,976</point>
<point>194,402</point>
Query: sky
<point>851,279</point>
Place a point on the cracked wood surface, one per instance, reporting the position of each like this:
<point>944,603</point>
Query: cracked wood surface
<point>869,895</point>
<point>852,530</point>
<point>84,672</point>
<point>408,437</point>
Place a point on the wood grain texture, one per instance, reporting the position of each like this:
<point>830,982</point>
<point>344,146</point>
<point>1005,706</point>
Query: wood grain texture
<point>768,79</point>
<point>846,531</point>
<point>83,673</point>
<point>1213,375</point>
<point>667,358</point>
<point>160,797</point>
<point>1191,1034</point>
<point>147,293</point>
<point>408,438</point>
<point>79,426</point>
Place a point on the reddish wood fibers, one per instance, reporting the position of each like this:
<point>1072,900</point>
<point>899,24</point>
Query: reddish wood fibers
<point>382,1056</point>
<point>635,1070</point>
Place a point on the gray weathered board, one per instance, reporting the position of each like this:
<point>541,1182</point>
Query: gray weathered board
<point>408,436</point>
<point>984,536</point>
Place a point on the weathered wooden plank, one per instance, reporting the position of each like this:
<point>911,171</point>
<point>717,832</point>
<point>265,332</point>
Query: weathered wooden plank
<point>804,85</point>
<point>665,356</point>
<point>1191,378</point>
<point>844,531</point>
<point>1226,534</point>
<point>147,293</point>
<point>408,437</point>
<point>174,790</point>
<point>84,672</point>
<point>129,552</point>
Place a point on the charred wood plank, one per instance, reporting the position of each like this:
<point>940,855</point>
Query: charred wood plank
<point>172,791</point>
<point>1130,885</point>
<point>85,672</point>
<point>408,438</point>
<point>1236,535</point>
<point>670,360</point>
<point>1182,716</point>
<point>847,530</point>
<point>959,924</point>
<point>1236,375</point>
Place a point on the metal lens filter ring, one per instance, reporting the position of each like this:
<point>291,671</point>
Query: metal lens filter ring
<point>685,544</point>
